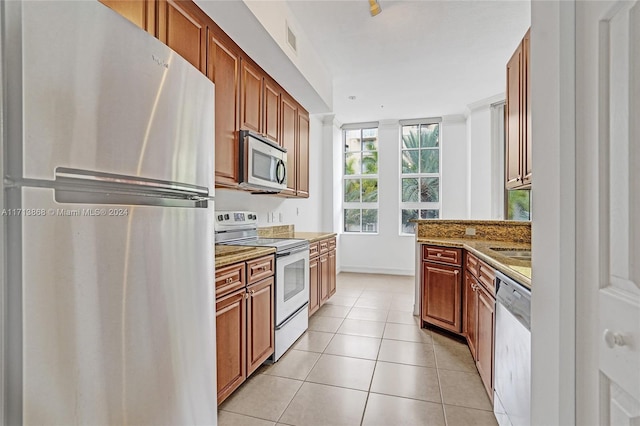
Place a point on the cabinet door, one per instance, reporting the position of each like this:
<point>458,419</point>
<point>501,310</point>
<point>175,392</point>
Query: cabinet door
<point>512,152</point>
<point>527,153</point>
<point>442,291</point>
<point>288,140</point>
<point>183,27</point>
<point>271,110</point>
<point>140,12</point>
<point>332,273</point>
<point>260,323</point>
<point>231,343</point>
<point>484,349</point>
<point>223,68</point>
<point>470,312</point>
<point>324,278</point>
<point>302,163</point>
<point>251,98</point>
<point>314,283</point>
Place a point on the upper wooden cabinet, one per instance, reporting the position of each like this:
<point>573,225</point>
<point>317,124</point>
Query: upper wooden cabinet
<point>518,119</point>
<point>140,12</point>
<point>246,98</point>
<point>223,68</point>
<point>288,140</point>
<point>302,163</point>
<point>251,98</point>
<point>183,27</point>
<point>272,108</point>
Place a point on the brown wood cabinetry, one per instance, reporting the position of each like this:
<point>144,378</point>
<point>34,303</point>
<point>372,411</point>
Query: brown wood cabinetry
<point>183,27</point>
<point>288,131</point>
<point>322,273</point>
<point>260,330</point>
<point>245,328</point>
<point>518,119</point>
<point>470,313</point>
<point>140,12</point>
<point>314,282</point>
<point>251,98</point>
<point>442,296</point>
<point>485,328</point>
<point>223,68</point>
<point>245,98</point>
<point>479,303</point>
<point>231,329</point>
<point>272,109</point>
<point>302,162</point>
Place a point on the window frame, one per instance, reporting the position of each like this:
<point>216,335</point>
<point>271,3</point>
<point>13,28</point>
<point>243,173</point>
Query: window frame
<point>419,205</point>
<point>360,205</point>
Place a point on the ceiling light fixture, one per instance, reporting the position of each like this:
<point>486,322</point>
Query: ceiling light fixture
<point>374,7</point>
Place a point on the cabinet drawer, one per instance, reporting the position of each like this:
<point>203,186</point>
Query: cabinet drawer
<point>472,264</point>
<point>314,249</point>
<point>324,246</point>
<point>487,278</point>
<point>332,244</point>
<point>259,268</point>
<point>442,255</point>
<point>229,279</point>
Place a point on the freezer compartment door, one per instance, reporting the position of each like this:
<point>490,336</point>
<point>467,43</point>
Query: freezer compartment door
<point>119,313</point>
<point>102,95</point>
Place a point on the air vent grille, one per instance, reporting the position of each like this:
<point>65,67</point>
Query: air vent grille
<point>292,39</point>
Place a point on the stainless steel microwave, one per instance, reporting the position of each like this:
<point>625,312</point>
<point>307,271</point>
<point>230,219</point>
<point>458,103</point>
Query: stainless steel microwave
<point>263,164</point>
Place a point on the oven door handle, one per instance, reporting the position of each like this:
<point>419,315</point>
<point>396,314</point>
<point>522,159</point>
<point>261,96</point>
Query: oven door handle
<point>292,316</point>
<point>292,251</point>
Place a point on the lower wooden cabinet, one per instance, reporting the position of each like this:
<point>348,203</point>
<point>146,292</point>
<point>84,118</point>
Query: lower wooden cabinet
<point>479,317</point>
<point>322,273</point>
<point>260,317</point>
<point>442,296</point>
<point>470,312</point>
<point>314,282</point>
<point>245,324</point>
<point>485,327</point>
<point>231,320</point>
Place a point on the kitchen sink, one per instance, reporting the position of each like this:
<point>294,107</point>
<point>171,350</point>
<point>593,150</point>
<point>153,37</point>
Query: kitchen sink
<point>513,253</point>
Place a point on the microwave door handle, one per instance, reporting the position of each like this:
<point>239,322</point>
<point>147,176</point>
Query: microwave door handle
<point>281,174</point>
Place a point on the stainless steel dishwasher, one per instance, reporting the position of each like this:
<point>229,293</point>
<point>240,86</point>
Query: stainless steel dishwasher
<point>512,395</point>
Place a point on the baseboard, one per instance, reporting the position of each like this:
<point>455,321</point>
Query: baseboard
<point>370,270</point>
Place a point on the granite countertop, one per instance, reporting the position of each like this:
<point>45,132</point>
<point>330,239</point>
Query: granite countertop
<point>312,237</point>
<point>519,270</point>
<point>228,254</point>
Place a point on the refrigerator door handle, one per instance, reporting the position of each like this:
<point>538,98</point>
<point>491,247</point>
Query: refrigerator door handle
<point>91,187</point>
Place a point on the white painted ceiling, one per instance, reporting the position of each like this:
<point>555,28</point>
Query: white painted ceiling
<point>416,58</point>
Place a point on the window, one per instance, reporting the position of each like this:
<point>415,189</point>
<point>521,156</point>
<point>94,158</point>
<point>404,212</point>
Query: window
<point>420,172</point>
<point>360,183</point>
<point>518,204</point>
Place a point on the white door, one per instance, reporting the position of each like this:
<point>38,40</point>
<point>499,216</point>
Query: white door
<point>608,172</point>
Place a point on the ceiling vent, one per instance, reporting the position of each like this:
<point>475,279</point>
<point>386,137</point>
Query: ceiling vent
<point>292,40</point>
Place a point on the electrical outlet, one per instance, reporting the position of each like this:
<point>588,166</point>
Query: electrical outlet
<point>470,231</point>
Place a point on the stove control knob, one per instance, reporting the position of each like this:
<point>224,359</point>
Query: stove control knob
<point>226,217</point>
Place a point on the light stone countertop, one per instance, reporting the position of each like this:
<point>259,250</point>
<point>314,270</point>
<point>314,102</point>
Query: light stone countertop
<point>229,254</point>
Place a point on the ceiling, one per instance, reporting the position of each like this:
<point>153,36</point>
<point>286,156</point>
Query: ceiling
<point>416,58</point>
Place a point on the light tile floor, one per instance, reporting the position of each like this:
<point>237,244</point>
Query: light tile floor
<point>365,361</point>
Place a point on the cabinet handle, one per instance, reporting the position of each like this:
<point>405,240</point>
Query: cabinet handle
<point>439,254</point>
<point>613,339</point>
<point>246,295</point>
<point>517,179</point>
<point>456,272</point>
<point>252,292</point>
<point>228,280</point>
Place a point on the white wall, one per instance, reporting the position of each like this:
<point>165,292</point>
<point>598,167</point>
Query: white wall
<point>388,252</point>
<point>479,161</point>
<point>454,178</point>
<point>304,213</point>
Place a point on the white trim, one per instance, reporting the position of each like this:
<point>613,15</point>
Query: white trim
<point>358,126</point>
<point>383,271</point>
<point>486,102</point>
<point>454,118</point>
<point>414,121</point>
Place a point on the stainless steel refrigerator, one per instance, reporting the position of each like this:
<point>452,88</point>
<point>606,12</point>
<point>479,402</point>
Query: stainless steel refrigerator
<point>107,206</point>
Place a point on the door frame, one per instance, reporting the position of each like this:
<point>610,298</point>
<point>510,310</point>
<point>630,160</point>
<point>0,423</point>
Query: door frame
<point>553,305</point>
